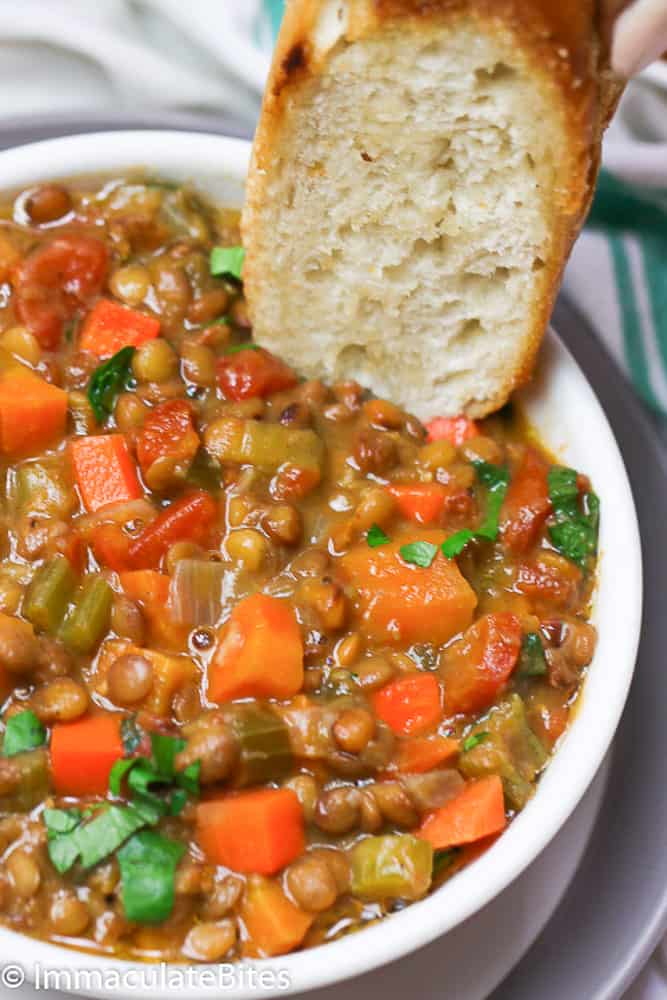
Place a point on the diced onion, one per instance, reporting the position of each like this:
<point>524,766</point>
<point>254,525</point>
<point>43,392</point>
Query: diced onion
<point>196,592</point>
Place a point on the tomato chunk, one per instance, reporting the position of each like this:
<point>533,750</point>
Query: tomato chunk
<point>476,667</point>
<point>456,430</point>
<point>527,504</point>
<point>253,373</point>
<point>55,281</point>
<point>410,705</point>
<point>188,519</point>
<point>168,432</point>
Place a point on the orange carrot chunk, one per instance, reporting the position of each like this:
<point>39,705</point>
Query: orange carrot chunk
<point>411,704</point>
<point>416,756</point>
<point>402,603</point>
<point>110,327</point>
<point>273,923</point>
<point>476,667</point>
<point>260,652</point>
<point>456,430</point>
<point>477,811</point>
<point>258,831</point>
<point>150,590</point>
<point>104,471</point>
<point>420,502</point>
<point>188,519</point>
<point>32,412</point>
<point>83,753</point>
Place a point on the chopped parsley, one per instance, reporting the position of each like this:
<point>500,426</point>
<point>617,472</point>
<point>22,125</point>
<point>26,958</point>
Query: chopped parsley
<point>474,740</point>
<point>419,553</point>
<point>376,536</point>
<point>23,732</point>
<point>494,480</point>
<point>227,262</point>
<point>575,533</point>
<point>147,868</point>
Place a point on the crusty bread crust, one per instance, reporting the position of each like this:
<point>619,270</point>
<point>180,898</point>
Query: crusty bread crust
<point>562,42</point>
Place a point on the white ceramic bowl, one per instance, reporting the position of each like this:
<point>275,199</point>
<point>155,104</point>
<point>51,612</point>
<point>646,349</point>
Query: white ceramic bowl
<point>566,413</point>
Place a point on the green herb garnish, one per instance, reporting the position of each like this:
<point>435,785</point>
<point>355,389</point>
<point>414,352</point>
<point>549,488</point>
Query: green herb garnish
<point>442,860</point>
<point>532,662</point>
<point>474,740</point>
<point>23,732</point>
<point>147,868</point>
<point>227,262</point>
<point>375,536</point>
<point>155,781</point>
<point>238,348</point>
<point>108,381</point>
<point>419,553</point>
<point>575,533</point>
<point>494,480</point>
<point>70,838</point>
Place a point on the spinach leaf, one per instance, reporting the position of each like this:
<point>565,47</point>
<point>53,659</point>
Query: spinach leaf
<point>532,662</point>
<point>375,536</point>
<point>419,553</point>
<point>237,348</point>
<point>108,381</point>
<point>494,480</point>
<point>575,533</point>
<point>147,868</point>
<point>227,262</point>
<point>442,860</point>
<point>23,732</point>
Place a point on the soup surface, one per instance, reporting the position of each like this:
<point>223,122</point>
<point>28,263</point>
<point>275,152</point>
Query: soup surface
<point>275,658</point>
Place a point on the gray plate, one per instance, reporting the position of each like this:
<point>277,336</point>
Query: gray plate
<point>616,908</point>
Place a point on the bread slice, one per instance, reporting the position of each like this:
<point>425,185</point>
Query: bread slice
<point>420,171</point>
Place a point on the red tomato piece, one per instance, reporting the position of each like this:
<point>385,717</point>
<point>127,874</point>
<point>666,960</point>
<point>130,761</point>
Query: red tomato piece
<point>527,504</point>
<point>476,667</point>
<point>456,430</point>
<point>410,705</point>
<point>168,431</point>
<point>551,582</point>
<point>188,519</point>
<point>55,281</point>
<point>253,373</point>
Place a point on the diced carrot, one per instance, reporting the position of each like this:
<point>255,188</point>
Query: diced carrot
<point>477,811</point>
<point>273,923</point>
<point>416,756</point>
<point>260,652</point>
<point>476,667</point>
<point>110,327</point>
<point>527,504</point>
<point>402,603</point>
<point>83,753</point>
<point>456,430</point>
<point>410,705</point>
<point>168,432</point>
<point>420,502</point>
<point>170,674</point>
<point>32,412</point>
<point>189,518</point>
<point>150,590</point>
<point>104,471</point>
<point>253,373</point>
<point>111,547</point>
<point>259,831</point>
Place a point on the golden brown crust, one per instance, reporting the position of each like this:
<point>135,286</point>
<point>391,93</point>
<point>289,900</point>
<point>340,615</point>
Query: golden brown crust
<point>567,45</point>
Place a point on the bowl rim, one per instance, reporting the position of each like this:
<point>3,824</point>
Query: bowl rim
<point>206,157</point>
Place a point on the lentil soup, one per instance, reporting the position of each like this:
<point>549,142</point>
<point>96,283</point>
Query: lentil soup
<point>275,658</point>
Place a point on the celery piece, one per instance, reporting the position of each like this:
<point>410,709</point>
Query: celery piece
<point>89,618</point>
<point>267,446</point>
<point>196,592</point>
<point>391,867</point>
<point>49,594</point>
<point>265,753</point>
<point>41,488</point>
